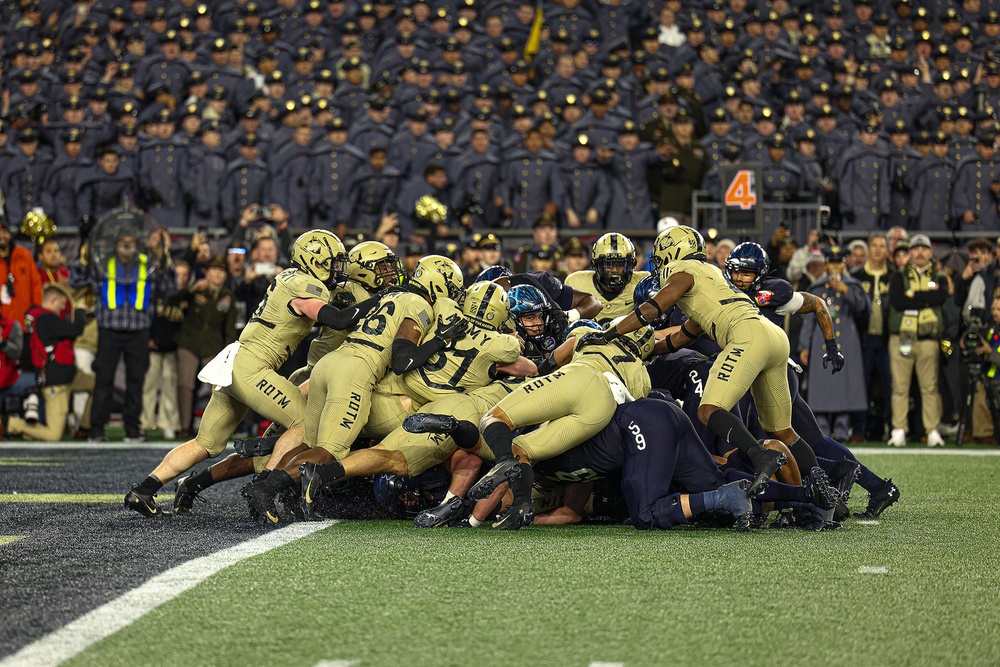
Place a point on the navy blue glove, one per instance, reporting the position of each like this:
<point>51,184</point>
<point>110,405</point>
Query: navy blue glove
<point>833,357</point>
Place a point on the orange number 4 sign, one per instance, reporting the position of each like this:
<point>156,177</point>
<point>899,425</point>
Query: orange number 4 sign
<point>740,191</point>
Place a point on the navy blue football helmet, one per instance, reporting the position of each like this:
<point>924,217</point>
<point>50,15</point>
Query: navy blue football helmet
<point>590,324</point>
<point>491,273</point>
<point>646,290</point>
<point>528,300</point>
<point>750,257</point>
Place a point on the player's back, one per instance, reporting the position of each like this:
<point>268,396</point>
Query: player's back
<point>617,306</point>
<point>622,357</point>
<point>273,332</point>
<point>372,339</point>
<point>712,302</point>
<point>330,339</point>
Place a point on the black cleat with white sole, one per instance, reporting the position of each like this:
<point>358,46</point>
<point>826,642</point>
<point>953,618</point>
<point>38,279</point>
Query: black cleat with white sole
<point>500,473</point>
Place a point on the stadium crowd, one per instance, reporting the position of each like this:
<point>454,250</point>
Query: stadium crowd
<point>466,117</point>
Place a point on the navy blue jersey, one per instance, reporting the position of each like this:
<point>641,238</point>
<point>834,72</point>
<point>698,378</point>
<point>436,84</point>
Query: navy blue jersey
<point>560,294</point>
<point>775,299</point>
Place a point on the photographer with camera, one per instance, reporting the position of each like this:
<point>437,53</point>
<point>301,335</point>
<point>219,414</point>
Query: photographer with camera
<point>981,353</point>
<point>975,289</point>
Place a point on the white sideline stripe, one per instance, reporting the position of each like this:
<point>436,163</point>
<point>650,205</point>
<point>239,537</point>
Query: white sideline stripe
<point>904,451</point>
<point>337,663</point>
<point>867,522</point>
<point>79,635</point>
<point>606,664</point>
<point>873,569</point>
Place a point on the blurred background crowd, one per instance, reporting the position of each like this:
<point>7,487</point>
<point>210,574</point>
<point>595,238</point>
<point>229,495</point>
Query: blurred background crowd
<point>493,132</point>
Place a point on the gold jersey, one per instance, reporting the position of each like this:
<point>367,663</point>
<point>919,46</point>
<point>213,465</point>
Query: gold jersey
<point>623,304</point>
<point>469,365</point>
<point>372,339</point>
<point>274,331</point>
<point>329,339</point>
<point>622,357</point>
<point>713,303</point>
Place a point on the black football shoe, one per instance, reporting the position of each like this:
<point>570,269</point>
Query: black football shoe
<point>766,462</point>
<point>184,496</point>
<point>312,486</point>
<point>447,511</point>
<point>260,501</point>
<point>251,447</point>
<point>142,503</point>
<point>822,494</point>
<point>497,475</point>
<point>517,516</point>
<point>880,501</point>
<point>427,422</point>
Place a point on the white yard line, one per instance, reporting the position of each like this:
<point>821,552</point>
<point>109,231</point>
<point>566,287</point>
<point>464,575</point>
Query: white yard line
<point>337,663</point>
<point>873,569</point>
<point>74,638</point>
<point>926,451</point>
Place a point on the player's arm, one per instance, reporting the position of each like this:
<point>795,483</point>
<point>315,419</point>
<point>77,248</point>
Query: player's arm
<point>678,337</point>
<point>586,304</point>
<point>676,286</point>
<point>522,367</point>
<point>407,355</point>
<point>331,316</point>
<point>574,506</point>
<point>813,304</point>
<point>561,356</point>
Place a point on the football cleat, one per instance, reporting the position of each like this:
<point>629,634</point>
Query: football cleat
<point>185,495</point>
<point>440,515</point>
<point>766,462</point>
<point>515,517</point>
<point>822,494</point>
<point>733,498</point>
<point>843,475</point>
<point>880,501</point>
<point>251,447</point>
<point>260,501</point>
<point>497,475</point>
<point>426,422</point>
<point>141,503</point>
<point>312,485</point>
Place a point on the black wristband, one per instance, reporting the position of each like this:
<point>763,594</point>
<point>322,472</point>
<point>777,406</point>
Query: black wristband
<point>688,333</point>
<point>831,345</point>
<point>610,335</point>
<point>670,344</point>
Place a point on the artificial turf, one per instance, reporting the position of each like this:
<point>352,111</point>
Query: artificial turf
<point>384,593</point>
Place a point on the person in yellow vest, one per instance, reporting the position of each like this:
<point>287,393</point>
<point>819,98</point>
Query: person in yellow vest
<point>126,286</point>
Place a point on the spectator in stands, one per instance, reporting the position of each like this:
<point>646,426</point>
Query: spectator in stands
<point>874,277</point>
<point>161,377</point>
<point>124,309</point>
<point>916,320</point>
<point>51,344</point>
<point>209,325</point>
<point>835,397</point>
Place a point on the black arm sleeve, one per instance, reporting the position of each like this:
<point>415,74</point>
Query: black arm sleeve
<point>407,356</point>
<point>345,318</point>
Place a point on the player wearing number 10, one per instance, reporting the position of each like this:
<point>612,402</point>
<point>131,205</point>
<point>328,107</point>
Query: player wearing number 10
<point>754,351</point>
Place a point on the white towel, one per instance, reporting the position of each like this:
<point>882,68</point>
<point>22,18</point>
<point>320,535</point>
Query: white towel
<point>618,390</point>
<point>219,371</point>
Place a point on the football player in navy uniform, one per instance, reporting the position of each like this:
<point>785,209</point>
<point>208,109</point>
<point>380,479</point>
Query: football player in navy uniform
<point>576,304</point>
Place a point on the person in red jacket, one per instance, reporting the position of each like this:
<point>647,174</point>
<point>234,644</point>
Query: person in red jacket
<point>11,345</point>
<point>50,338</point>
<point>20,282</point>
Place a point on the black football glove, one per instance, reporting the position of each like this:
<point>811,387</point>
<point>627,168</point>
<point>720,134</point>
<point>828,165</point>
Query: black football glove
<point>342,299</point>
<point>451,329</point>
<point>559,319</point>
<point>834,357</point>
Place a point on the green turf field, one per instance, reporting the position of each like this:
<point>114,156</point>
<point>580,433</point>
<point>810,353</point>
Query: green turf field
<point>920,587</point>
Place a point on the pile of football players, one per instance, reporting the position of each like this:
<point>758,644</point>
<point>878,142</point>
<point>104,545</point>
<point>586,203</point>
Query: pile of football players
<point>658,398</point>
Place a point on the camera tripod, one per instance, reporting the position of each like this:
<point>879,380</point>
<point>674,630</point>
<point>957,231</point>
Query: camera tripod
<point>975,370</point>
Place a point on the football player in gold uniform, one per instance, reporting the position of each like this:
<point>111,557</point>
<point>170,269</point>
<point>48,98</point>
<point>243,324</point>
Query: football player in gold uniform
<point>754,351</point>
<point>613,279</point>
<point>277,327</point>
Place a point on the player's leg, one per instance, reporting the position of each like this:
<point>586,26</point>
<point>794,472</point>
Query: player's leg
<point>901,369</point>
<point>188,488</point>
<point>222,415</point>
<point>653,444</point>
<point>731,376</point>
